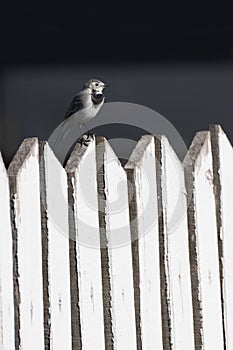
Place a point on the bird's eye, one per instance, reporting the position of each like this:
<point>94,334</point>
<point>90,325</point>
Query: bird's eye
<point>96,84</point>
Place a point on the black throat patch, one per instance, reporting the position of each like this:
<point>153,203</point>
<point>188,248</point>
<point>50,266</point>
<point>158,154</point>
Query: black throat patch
<point>96,97</point>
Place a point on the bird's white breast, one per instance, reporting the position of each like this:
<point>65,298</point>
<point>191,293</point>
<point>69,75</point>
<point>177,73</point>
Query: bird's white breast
<point>87,113</point>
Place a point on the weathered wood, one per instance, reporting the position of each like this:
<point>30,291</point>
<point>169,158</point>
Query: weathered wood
<point>222,175</point>
<point>95,256</point>
<point>174,256</point>
<point>7,339</point>
<point>26,229</point>
<point>55,245</point>
<point>117,272</point>
<point>141,173</point>
<point>204,244</point>
<point>105,261</point>
<point>86,279</point>
<point>193,247</point>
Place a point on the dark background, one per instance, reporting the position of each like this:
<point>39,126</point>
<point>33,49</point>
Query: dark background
<point>174,58</point>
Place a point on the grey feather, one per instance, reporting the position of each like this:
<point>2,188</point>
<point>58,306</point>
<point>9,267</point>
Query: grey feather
<point>75,106</point>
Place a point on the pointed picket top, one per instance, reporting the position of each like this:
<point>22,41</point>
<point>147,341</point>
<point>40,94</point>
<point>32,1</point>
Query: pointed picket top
<point>203,243</point>
<point>105,152</point>
<point>194,149</point>
<point>138,152</point>
<point>77,156</point>
<point>25,150</point>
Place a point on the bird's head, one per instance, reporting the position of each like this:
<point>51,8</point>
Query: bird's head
<point>95,85</point>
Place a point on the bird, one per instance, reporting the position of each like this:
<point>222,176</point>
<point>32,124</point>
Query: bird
<point>84,107</point>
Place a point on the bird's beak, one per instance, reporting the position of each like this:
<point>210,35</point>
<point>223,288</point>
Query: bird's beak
<point>106,85</point>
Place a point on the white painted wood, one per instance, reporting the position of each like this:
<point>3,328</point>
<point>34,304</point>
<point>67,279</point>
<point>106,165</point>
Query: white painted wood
<point>7,340</point>
<point>207,248</point>
<point>56,205</point>
<point>176,231</point>
<point>142,162</point>
<point>226,195</point>
<point>117,310</point>
<point>24,173</point>
<point>88,256</point>
<point>119,252</point>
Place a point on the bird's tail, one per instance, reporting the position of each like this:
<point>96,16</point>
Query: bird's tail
<point>61,132</point>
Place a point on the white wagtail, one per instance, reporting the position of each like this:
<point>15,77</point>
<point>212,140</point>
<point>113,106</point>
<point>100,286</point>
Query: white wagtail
<point>84,106</point>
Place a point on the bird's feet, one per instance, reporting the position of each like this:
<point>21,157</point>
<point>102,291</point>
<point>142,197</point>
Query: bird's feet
<point>85,139</point>
<point>90,135</point>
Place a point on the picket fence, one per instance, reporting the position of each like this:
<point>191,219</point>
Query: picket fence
<point>95,256</point>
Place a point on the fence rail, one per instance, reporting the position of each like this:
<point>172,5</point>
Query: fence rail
<point>97,256</point>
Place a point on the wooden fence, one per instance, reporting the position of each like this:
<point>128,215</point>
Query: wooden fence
<point>97,256</point>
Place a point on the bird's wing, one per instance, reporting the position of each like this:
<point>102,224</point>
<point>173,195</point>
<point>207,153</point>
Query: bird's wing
<point>75,106</point>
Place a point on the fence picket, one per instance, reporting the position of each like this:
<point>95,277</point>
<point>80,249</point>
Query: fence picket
<point>116,253</point>
<point>86,281</point>
<point>55,249</point>
<point>141,172</point>
<point>204,244</point>
<point>222,174</point>
<point>174,255</point>
<point>26,228</point>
